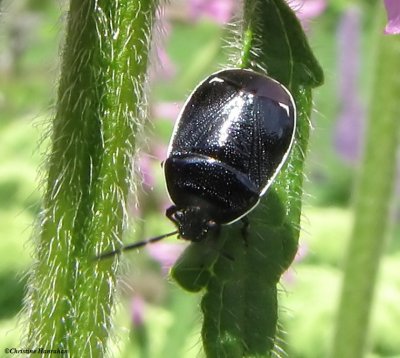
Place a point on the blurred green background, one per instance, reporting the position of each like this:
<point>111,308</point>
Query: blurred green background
<point>155,317</point>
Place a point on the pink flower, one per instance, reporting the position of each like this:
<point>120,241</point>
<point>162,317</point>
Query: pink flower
<point>167,110</point>
<point>307,9</point>
<point>167,67</point>
<point>145,167</point>
<point>219,10</point>
<point>393,14</point>
<point>350,124</point>
<point>166,253</point>
<point>160,152</point>
<point>137,310</point>
<point>162,67</point>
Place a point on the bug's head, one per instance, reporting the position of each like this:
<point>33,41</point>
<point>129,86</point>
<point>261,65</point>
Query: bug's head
<point>193,223</point>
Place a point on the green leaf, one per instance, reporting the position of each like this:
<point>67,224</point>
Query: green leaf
<point>240,275</point>
<point>274,42</point>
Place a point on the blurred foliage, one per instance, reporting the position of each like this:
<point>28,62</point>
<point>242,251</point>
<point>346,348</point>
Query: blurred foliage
<point>171,328</point>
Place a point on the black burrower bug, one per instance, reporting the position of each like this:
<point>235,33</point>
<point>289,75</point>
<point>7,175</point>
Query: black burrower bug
<point>232,137</point>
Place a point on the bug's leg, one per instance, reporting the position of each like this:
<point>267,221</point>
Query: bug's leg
<point>245,230</point>
<point>169,213</point>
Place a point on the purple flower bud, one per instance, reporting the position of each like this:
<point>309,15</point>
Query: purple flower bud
<point>350,122</point>
<point>393,14</point>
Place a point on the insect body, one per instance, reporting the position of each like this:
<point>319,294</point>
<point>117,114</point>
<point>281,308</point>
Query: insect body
<point>232,137</point>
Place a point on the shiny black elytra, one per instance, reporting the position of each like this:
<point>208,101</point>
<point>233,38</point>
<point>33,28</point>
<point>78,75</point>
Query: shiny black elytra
<point>232,137</point>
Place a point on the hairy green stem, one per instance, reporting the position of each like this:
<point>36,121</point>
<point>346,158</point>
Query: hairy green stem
<point>99,111</point>
<point>373,198</point>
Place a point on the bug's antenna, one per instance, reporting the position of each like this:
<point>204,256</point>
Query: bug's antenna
<point>134,245</point>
